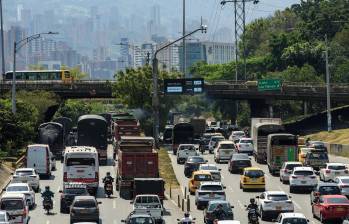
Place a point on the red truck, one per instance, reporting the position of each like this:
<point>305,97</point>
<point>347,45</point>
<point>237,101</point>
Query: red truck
<point>136,159</point>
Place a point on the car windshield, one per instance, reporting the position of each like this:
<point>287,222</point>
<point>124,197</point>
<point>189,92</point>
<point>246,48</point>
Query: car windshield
<point>304,173</point>
<point>9,205</point>
<point>305,150</point>
<point>246,141</point>
<point>254,173</point>
<point>141,220</point>
<point>326,190</point>
<point>24,173</point>
<point>226,207</point>
<point>212,188</point>
<point>336,167</point>
<point>292,166</point>
<point>196,159</point>
<point>187,147</point>
<point>337,201</point>
<point>202,177</point>
<point>80,162</point>
<point>277,197</point>
<point>208,168</point>
<point>2,218</point>
<point>227,146</point>
<point>294,221</point>
<point>322,156</point>
<point>75,191</point>
<point>147,199</point>
<point>17,188</point>
<point>85,204</point>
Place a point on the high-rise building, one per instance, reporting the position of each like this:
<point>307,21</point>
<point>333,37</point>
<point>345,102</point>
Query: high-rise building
<point>169,57</point>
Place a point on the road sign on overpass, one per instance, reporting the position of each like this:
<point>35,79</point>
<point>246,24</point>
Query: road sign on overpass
<point>269,84</point>
<point>183,86</point>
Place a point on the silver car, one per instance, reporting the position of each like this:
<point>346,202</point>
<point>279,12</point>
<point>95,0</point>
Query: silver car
<point>343,184</point>
<point>287,169</point>
<point>209,191</point>
<point>213,169</point>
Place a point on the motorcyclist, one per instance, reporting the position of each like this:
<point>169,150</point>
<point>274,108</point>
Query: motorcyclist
<point>219,212</point>
<point>252,206</point>
<point>48,195</point>
<point>186,219</point>
<point>108,180</point>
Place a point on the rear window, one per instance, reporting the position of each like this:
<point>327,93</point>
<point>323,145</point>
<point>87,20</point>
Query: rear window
<point>227,146</point>
<point>85,204</point>
<point>294,221</point>
<point>337,201</point>
<point>226,207</point>
<point>17,188</point>
<point>147,199</point>
<point>190,147</point>
<point>80,162</point>
<point>304,173</point>
<point>254,173</point>
<point>240,157</point>
<point>280,197</point>
<point>9,205</point>
<point>141,220</point>
<point>322,156</point>
<point>336,167</point>
<point>202,177</point>
<point>24,173</point>
<point>326,190</point>
<point>238,133</point>
<point>208,168</point>
<point>212,188</point>
<point>246,141</point>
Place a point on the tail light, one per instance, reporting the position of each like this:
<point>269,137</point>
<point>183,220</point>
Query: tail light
<point>65,177</point>
<point>97,176</point>
<point>25,212</point>
<point>328,171</point>
<point>263,179</point>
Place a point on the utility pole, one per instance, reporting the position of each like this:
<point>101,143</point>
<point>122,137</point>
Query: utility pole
<point>328,88</point>
<point>148,58</point>
<point>183,43</point>
<point>2,43</point>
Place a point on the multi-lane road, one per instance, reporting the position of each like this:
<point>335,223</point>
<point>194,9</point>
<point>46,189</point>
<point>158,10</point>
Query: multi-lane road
<point>238,198</point>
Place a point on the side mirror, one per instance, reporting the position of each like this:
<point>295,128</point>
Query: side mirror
<point>4,189</point>
<point>245,206</point>
<point>194,219</point>
<point>308,220</point>
<point>178,220</point>
<point>206,161</point>
<point>224,187</point>
<point>289,196</point>
<point>219,169</point>
<point>257,197</point>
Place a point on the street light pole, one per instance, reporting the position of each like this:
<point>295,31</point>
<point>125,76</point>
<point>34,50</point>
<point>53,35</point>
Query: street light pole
<point>183,42</point>
<point>16,47</point>
<point>155,98</point>
<point>328,89</point>
<point>2,42</point>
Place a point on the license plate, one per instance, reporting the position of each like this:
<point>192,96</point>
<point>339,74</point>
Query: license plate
<point>254,180</point>
<point>83,211</point>
<point>337,173</point>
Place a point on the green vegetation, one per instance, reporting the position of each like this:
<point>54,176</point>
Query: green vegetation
<point>166,169</point>
<point>340,136</point>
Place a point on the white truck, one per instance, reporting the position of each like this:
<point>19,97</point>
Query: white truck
<point>148,204</point>
<point>260,129</point>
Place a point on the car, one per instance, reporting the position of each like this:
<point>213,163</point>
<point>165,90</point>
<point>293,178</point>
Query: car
<point>69,192</point>
<point>27,175</point>
<point>236,135</point>
<point>192,164</point>
<point>324,189</point>
<point>272,203</point>
<point>84,208</point>
<point>208,191</point>
<point>316,159</point>
<point>133,218</point>
<point>224,151</point>
<point>302,178</point>
<point>4,217</point>
<point>317,145</point>
<point>23,188</point>
<point>287,169</point>
<point>184,151</point>
<point>343,184</point>
<point>197,178</point>
<point>213,141</point>
<point>245,145</point>
<point>16,206</point>
<point>330,207</point>
<point>252,178</point>
<point>302,152</point>
<point>205,140</point>
<point>332,170</point>
<point>148,204</point>
<point>291,218</point>
<point>213,169</point>
<point>212,205</point>
<point>238,162</point>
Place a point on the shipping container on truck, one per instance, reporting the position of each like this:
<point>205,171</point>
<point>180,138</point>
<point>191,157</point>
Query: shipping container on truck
<point>182,133</point>
<point>199,125</point>
<point>136,159</point>
<point>260,129</point>
<point>93,131</point>
<point>281,148</point>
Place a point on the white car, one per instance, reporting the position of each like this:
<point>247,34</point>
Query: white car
<point>236,135</point>
<point>224,151</point>
<point>245,145</point>
<point>4,217</point>
<point>272,203</point>
<point>228,222</point>
<point>287,169</point>
<point>291,217</point>
<point>343,184</point>
<point>184,151</point>
<point>332,171</point>
<point>22,188</point>
<point>213,169</point>
<point>303,178</point>
<point>27,175</point>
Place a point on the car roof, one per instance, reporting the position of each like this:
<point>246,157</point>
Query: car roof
<point>252,168</point>
<point>292,215</point>
<point>211,183</point>
<point>238,132</point>
<point>3,212</point>
<point>24,169</point>
<point>218,202</point>
<point>334,196</point>
<point>209,165</point>
<point>38,145</point>
<point>87,197</point>
<point>217,136</point>
<point>136,215</point>
<point>245,139</point>
<point>335,164</point>
<point>18,184</point>
<point>275,193</point>
<point>294,162</point>
<point>307,168</point>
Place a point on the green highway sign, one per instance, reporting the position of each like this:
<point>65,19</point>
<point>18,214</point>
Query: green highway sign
<point>269,84</point>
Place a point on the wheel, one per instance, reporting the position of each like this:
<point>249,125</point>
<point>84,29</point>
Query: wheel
<point>240,186</point>
<point>312,210</point>
<point>291,189</point>
<point>283,181</point>
<point>177,161</point>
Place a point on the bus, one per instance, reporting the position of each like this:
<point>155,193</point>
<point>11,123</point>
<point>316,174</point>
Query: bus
<point>41,75</point>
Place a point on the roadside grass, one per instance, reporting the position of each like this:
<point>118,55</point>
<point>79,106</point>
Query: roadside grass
<point>166,170</point>
<point>340,136</point>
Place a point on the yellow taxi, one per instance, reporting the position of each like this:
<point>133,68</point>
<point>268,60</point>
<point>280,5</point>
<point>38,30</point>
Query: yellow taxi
<point>252,178</point>
<point>302,152</point>
<point>198,177</point>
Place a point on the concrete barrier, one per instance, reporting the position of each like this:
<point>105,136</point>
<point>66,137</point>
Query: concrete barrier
<point>338,149</point>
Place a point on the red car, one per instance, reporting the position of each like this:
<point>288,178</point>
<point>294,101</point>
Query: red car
<point>328,207</point>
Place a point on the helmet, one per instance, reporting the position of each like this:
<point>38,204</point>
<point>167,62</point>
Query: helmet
<point>252,200</point>
<point>186,215</point>
<point>47,188</point>
<point>108,173</point>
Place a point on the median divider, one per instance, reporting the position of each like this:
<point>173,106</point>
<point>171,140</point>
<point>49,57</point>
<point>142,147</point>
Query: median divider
<point>14,165</point>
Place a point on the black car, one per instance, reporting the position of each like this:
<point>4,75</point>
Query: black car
<point>324,189</point>
<point>192,164</point>
<point>68,194</point>
<point>84,208</point>
<point>238,162</point>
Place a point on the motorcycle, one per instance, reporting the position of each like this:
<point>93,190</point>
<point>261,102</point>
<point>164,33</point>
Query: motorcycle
<point>47,204</point>
<point>108,188</point>
<point>253,216</point>
<point>188,221</point>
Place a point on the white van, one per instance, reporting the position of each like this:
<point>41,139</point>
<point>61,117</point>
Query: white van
<point>16,206</point>
<point>224,151</point>
<point>39,158</point>
<point>81,165</point>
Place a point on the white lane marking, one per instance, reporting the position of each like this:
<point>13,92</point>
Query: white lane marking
<point>182,188</point>
<point>240,204</point>
<point>59,188</point>
<point>230,188</point>
<point>114,204</point>
<point>280,188</point>
<point>297,205</point>
<point>47,222</point>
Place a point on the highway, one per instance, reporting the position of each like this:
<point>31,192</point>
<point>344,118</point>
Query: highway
<point>112,210</point>
<point>238,198</point>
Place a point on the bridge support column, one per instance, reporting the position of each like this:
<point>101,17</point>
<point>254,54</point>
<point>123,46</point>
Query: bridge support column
<point>305,107</point>
<point>260,108</point>
<point>271,111</point>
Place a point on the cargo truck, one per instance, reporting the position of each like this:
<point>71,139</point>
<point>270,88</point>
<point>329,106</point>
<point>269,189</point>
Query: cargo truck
<point>260,129</point>
<point>52,134</point>
<point>281,148</point>
<point>136,159</point>
<point>182,133</point>
<point>149,186</point>
<point>199,125</point>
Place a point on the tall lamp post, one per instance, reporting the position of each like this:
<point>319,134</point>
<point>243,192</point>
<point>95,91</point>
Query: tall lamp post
<point>16,47</point>
<point>2,42</point>
<point>155,99</point>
